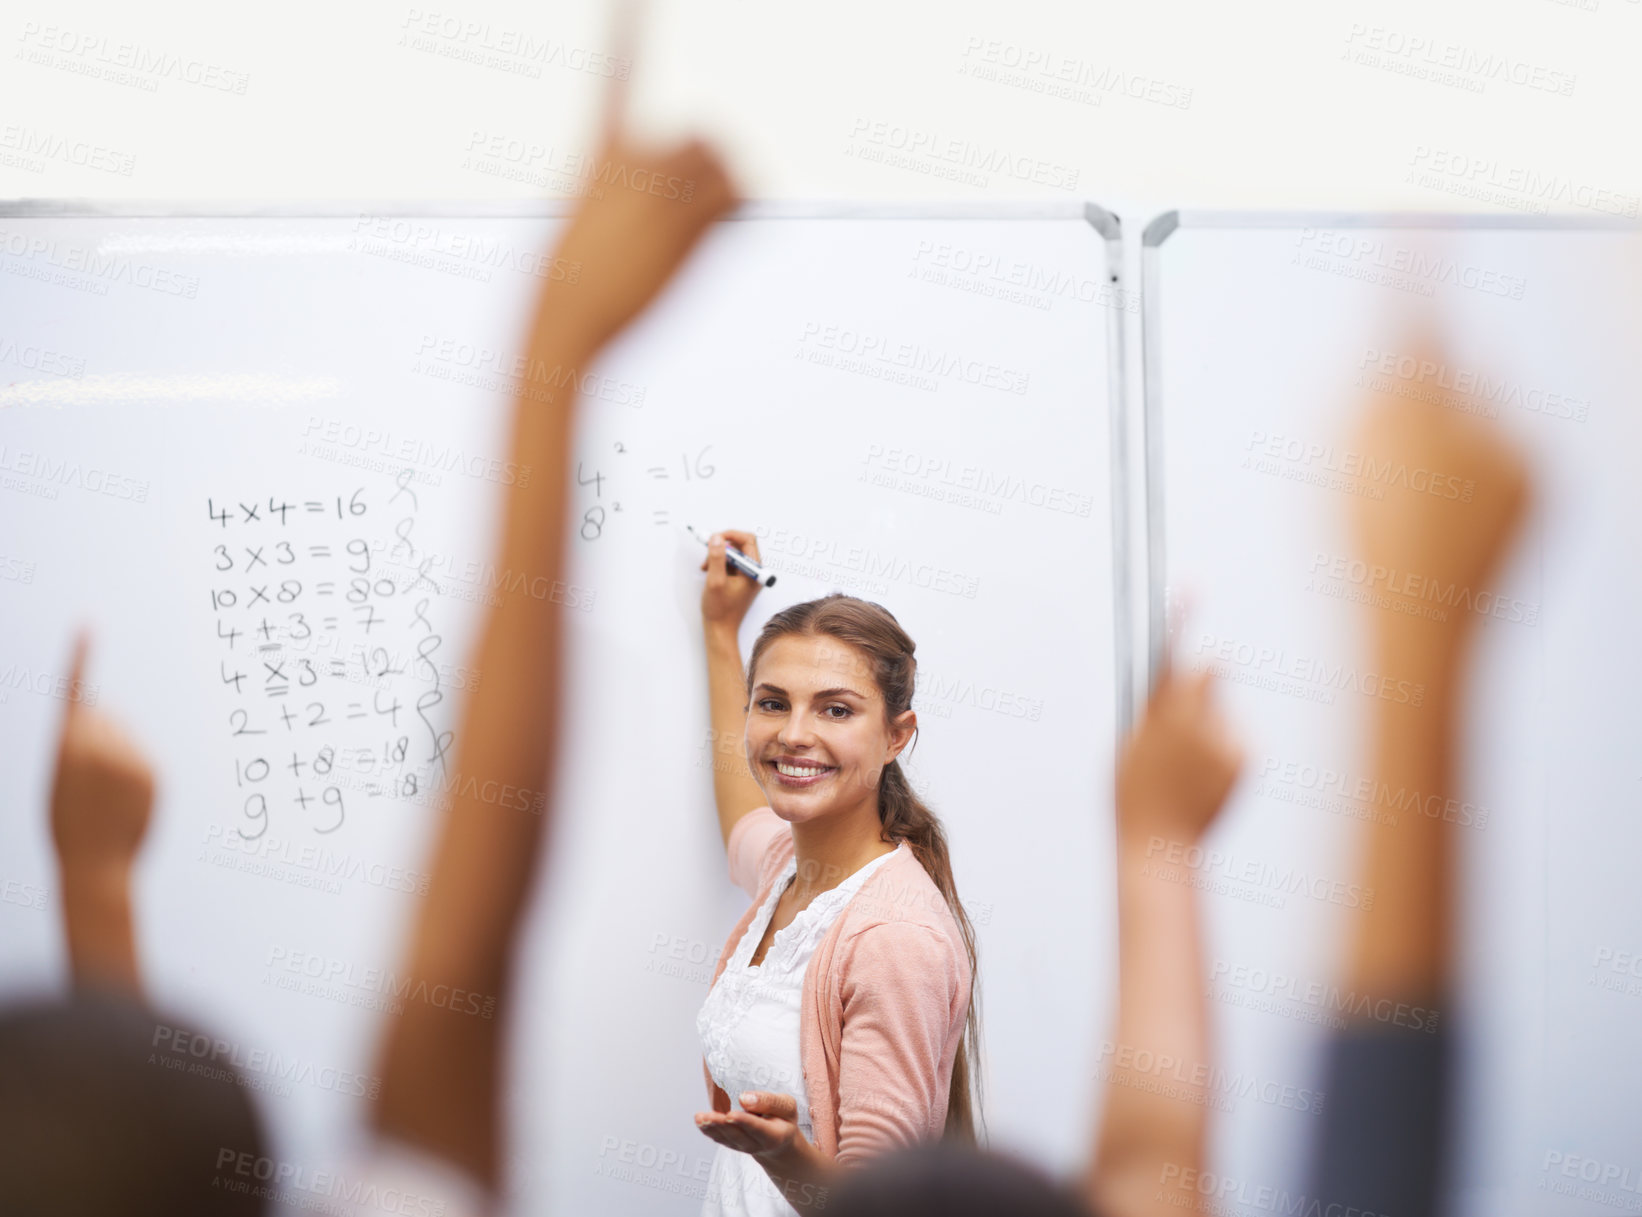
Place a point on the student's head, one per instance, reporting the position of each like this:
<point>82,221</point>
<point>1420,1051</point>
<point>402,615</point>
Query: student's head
<point>940,1179</point>
<point>829,690</point>
<point>99,1115</point>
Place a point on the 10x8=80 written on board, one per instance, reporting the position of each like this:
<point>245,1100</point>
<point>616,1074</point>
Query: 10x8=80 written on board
<point>325,617</point>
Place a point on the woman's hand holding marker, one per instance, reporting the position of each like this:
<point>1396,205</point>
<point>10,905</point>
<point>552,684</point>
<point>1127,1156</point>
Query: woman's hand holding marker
<point>726,596</point>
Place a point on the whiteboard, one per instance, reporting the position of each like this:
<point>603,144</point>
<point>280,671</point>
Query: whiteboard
<point>1262,333</point>
<point>915,407</point>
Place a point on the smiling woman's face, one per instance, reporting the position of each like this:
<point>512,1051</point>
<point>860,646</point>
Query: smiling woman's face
<point>817,733</point>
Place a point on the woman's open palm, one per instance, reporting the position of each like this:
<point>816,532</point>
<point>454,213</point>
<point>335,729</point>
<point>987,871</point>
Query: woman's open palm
<point>768,1126</point>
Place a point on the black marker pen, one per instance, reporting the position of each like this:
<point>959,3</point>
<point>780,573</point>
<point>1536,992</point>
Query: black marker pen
<point>738,562</point>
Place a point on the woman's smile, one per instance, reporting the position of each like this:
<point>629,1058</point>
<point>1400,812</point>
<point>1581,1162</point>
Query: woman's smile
<point>798,773</point>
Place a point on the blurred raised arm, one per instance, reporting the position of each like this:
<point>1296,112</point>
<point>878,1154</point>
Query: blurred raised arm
<point>1382,1145</point>
<point>440,1068</point>
<point>102,795</point>
<point>1172,779</point>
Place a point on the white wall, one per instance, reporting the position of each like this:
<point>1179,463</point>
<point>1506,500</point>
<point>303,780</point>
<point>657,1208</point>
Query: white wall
<point>1278,114</point>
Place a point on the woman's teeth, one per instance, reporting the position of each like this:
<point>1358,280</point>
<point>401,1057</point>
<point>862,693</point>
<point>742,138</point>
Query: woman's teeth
<point>799,771</point>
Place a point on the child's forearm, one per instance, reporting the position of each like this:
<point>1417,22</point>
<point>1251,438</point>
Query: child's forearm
<point>1402,944</point>
<point>1149,1138</point>
<point>99,929</point>
<point>440,1082</point>
<point>487,854</point>
<point>440,1070</point>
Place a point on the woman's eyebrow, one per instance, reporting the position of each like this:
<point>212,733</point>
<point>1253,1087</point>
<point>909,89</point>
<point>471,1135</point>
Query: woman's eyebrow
<point>765,686</point>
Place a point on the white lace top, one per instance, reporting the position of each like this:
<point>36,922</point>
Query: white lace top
<point>749,1033</point>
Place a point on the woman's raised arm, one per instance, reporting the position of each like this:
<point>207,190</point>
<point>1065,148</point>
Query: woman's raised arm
<point>725,599</point>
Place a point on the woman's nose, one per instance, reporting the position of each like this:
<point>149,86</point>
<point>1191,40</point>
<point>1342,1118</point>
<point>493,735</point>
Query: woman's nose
<point>795,732</point>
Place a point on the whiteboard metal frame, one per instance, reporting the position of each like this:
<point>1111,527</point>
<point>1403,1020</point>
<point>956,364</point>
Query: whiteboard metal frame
<point>482,209</point>
<point>1106,225</point>
<point>1161,228</point>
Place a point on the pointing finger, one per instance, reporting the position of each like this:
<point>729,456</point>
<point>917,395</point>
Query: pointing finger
<point>77,665</point>
<point>623,36</point>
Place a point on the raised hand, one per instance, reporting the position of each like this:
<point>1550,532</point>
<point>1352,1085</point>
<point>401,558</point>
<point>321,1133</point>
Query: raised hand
<point>1173,776</point>
<point>103,790</point>
<point>1453,517</point>
<point>102,795</point>
<point>1178,765</point>
<point>630,235</point>
<point>441,1076</point>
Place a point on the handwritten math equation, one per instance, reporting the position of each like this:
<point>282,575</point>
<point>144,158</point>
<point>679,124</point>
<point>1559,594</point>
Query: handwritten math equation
<point>326,623</point>
<point>326,615</point>
<point>600,505</point>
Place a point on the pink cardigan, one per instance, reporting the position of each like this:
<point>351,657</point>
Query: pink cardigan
<point>884,1002</point>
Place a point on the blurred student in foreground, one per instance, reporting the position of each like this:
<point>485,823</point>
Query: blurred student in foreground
<point>105,1107</point>
<point>1384,1139</point>
<point>99,1110</point>
<point>1382,1148</point>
